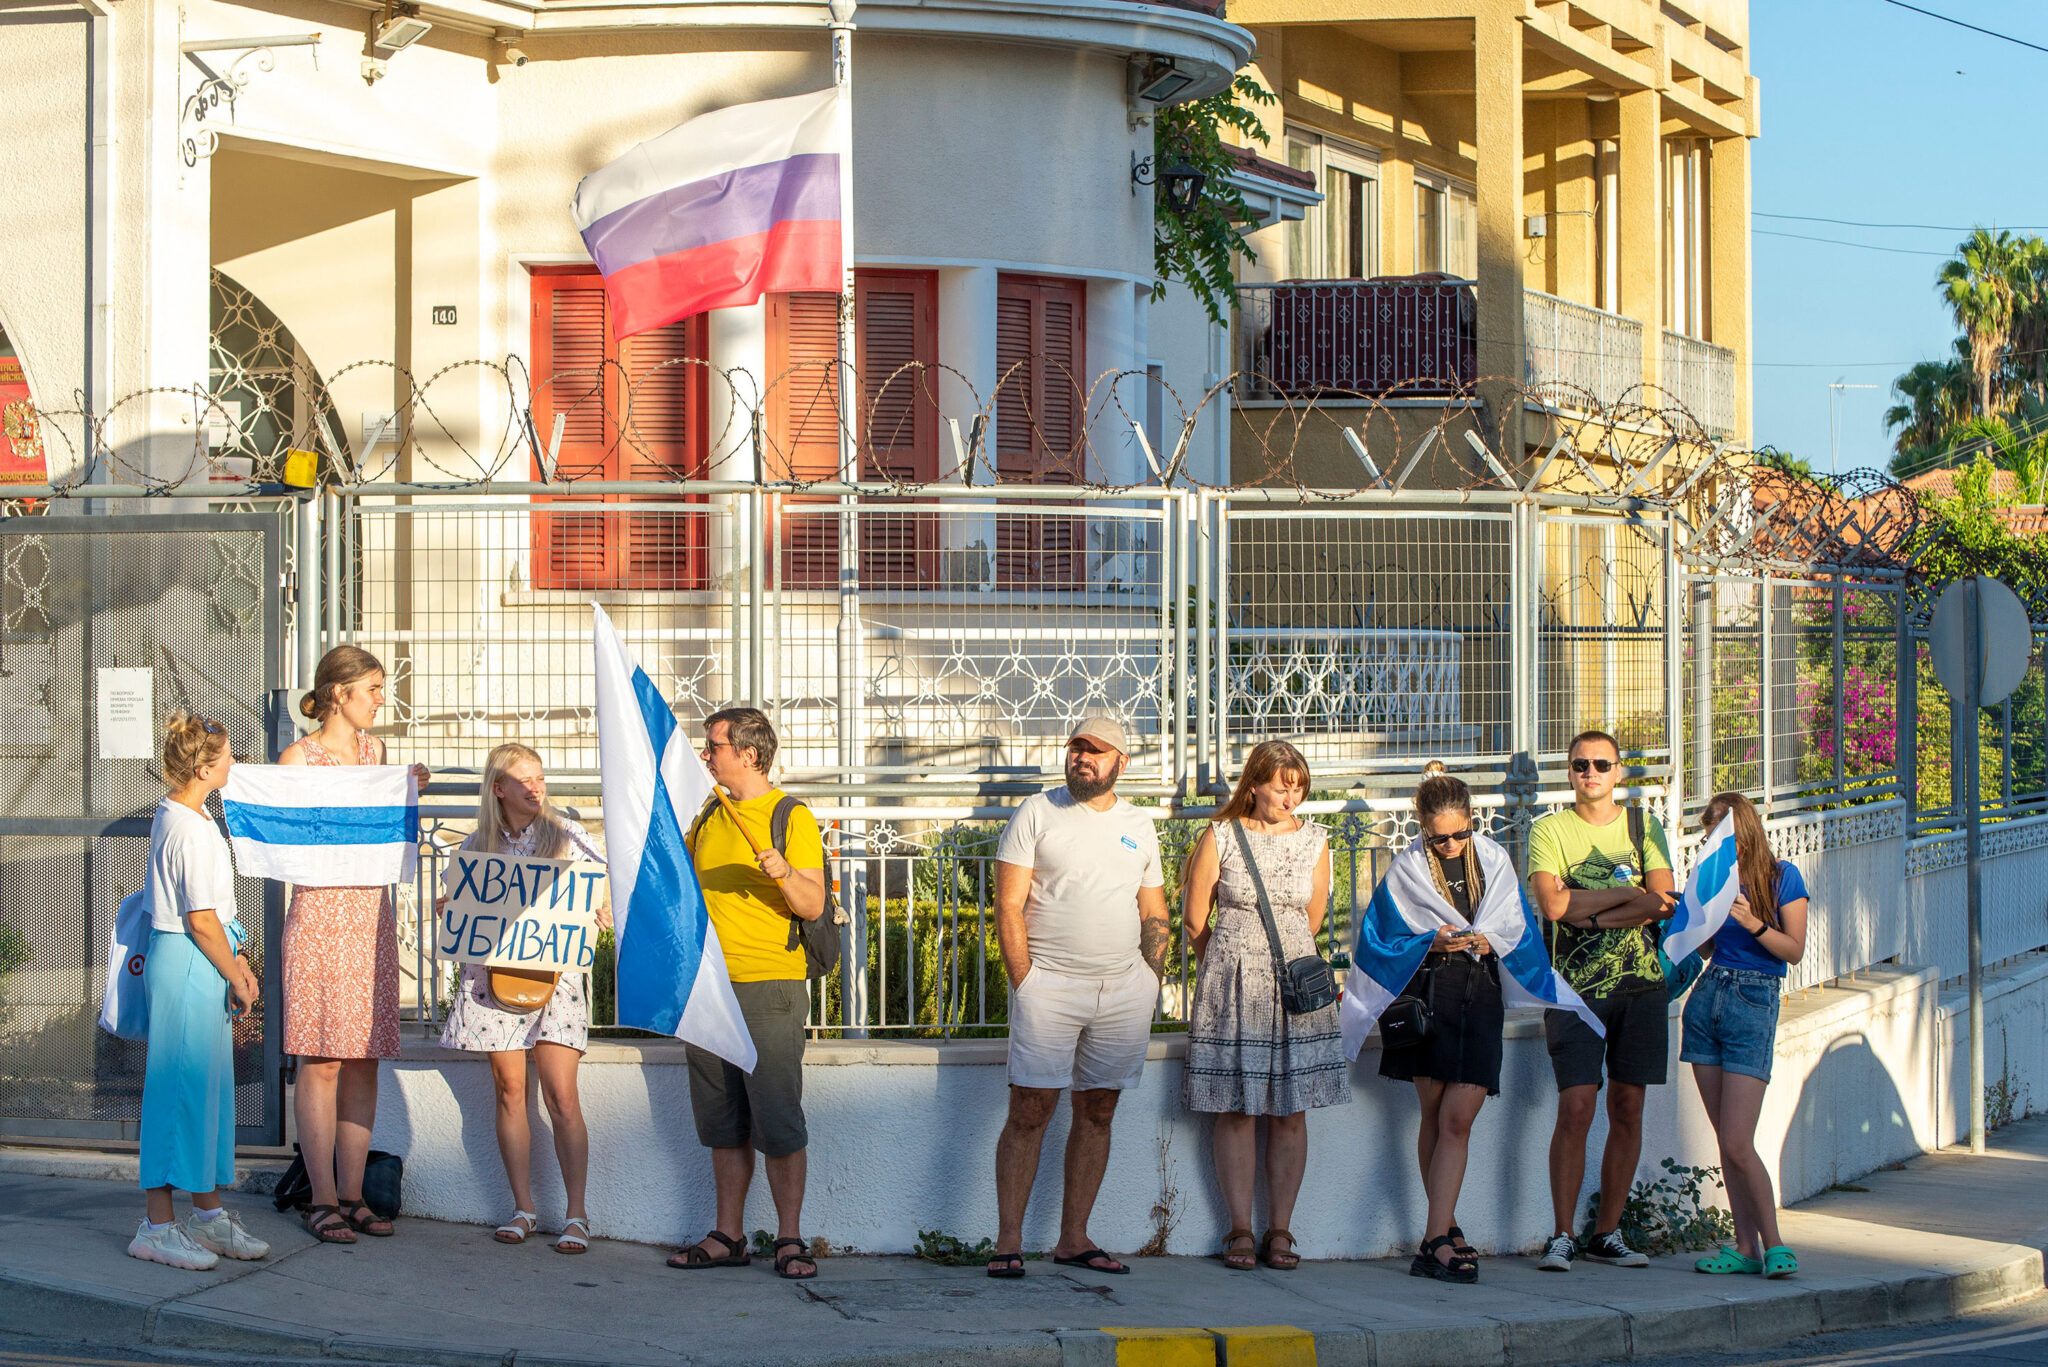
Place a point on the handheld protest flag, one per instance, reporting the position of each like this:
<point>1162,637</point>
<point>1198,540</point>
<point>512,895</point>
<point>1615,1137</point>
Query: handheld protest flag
<point>1710,889</point>
<point>355,826</point>
<point>672,977</point>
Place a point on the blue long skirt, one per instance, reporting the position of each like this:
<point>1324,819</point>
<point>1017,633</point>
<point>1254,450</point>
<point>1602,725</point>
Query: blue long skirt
<point>188,1083</point>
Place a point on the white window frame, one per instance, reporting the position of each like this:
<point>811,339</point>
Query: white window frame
<point>1685,224</point>
<point>1310,237</point>
<point>1449,187</point>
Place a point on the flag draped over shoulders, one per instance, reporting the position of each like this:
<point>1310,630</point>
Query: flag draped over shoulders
<point>1396,929</point>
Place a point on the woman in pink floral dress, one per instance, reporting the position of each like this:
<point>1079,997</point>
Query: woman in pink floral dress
<point>340,972</point>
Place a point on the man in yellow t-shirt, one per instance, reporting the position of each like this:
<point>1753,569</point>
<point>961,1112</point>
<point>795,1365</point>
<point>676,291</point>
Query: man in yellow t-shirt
<point>752,899</point>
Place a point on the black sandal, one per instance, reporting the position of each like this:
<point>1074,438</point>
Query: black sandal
<point>695,1259</point>
<point>1086,1258</point>
<point>363,1220</point>
<point>327,1224</point>
<point>1464,1250</point>
<point>802,1255</point>
<point>1006,1266</point>
<point>1460,1271</point>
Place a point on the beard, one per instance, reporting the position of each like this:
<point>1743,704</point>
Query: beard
<point>1087,789</point>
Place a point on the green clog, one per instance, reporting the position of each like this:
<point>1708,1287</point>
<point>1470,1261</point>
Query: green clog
<point>1728,1262</point>
<point>1780,1262</point>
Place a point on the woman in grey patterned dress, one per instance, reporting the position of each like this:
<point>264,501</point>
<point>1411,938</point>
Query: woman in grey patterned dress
<point>1246,1056</point>
<point>514,817</point>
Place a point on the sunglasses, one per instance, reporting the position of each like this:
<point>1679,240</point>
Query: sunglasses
<point>1580,766</point>
<point>1448,838</point>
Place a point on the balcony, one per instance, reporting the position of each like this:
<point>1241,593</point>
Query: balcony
<point>1701,376</point>
<point>1397,336</point>
<point>1579,357</point>
<point>1416,337</point>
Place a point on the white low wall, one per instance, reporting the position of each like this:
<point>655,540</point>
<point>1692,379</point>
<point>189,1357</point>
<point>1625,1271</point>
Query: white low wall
<point>2015,1045</point>
<point>903,1135</point>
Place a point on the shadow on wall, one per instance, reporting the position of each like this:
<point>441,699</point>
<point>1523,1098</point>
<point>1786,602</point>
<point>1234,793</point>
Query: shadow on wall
<point>1849,1120</point>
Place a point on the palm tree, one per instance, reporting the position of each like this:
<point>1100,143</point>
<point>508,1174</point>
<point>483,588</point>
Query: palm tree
<point>2028,364</point>
<point>1981,288</point>
<point>1933,397</point>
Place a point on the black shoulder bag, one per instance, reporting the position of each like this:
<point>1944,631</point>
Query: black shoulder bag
<point>820,938</point>
<point>1306,984</point>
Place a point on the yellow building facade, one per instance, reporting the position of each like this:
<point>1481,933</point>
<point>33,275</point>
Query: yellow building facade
<point>1583,164</point>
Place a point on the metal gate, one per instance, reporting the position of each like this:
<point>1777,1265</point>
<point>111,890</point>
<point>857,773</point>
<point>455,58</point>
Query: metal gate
<point>189,605</point>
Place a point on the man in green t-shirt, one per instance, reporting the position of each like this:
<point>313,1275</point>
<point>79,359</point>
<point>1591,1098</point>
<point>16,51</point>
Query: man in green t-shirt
<point>1602,894</point>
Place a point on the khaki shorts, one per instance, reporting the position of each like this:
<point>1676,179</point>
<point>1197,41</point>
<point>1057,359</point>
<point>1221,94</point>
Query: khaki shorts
<point>1084,1033</point>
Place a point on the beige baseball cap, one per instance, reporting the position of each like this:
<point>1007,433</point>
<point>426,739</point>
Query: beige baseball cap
<point>1103,731</point>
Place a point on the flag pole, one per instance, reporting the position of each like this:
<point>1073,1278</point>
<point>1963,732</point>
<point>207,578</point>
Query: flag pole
<point>852,670</point>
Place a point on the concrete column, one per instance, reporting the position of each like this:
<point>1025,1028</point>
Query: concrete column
<point>1641,209</point>
<point>1497,73</point>
<point>967,345</point>
<point>1573,249</point>
<point>737,342</point>
<point>171,245</point>
<point>1397,216</point>
<point>1728,268</point>
<point>1112,350</point>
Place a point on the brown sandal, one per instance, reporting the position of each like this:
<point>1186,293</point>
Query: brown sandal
<point>1239,1260</point>
<point>363,1220</point>
<point>1279,1262</point>
<point>695,1258</point>
<point>327,1224</point>
<point>800,1253</point>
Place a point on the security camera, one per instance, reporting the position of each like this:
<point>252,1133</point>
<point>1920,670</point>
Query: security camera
<point>516,57</point>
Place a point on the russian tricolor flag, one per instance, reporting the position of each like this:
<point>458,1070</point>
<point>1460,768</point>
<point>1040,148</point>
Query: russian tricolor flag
<point>671,975</point>
<point>720,210</point>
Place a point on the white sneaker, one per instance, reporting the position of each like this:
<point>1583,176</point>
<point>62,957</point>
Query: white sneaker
<point>1557,1254</point>
<point>170,1246</point>
<point>224,1234</point>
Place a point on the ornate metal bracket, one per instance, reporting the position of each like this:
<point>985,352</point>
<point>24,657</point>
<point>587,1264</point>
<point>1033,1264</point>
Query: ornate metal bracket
<point>196,141</point>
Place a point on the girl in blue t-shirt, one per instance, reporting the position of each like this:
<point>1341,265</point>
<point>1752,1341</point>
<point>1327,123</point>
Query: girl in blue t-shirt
<point>1731,1032</point>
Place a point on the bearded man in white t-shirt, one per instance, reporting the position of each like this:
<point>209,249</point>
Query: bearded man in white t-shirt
<point>1081,912</point>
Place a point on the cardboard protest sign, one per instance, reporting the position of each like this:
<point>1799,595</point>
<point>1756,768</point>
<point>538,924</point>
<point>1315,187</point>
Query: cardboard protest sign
<point>520,913</point>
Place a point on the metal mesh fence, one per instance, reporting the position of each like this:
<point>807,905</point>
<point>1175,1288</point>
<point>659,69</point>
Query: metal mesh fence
<point>1372,639</point>
<point>1601,634</point>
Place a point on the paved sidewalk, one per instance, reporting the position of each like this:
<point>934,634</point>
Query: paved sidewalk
<point>1944,1236</point>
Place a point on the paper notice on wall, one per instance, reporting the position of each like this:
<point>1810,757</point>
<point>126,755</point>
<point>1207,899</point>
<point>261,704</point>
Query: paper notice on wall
<point>127,713</point>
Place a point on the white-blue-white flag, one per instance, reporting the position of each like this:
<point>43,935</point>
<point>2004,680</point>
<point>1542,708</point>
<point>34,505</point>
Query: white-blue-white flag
<point>324,826</point>
<point>1710,889</point>
<point>1396,928</point>
<point>671,974</point>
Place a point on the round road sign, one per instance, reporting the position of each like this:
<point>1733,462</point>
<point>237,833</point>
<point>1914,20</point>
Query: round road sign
<point>1980,616</point>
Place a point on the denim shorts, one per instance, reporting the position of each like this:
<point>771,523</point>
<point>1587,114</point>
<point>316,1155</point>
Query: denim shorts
<point>1731,1021</point>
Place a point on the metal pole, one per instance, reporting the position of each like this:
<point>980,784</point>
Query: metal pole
<point>1769,778</point>
<point>1674,674</point>
<point>307,616</point>
<point>331,584</point>
<point>1176,615</point>
<point>1705,604</point>
<point>757,620</point>
<point>1200,626</point>
<point>1841,736</point>
<point>1966,708</point>
<point>853,980</point>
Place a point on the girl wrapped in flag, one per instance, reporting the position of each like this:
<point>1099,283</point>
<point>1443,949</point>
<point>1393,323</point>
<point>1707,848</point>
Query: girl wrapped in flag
<point>1450,926</point>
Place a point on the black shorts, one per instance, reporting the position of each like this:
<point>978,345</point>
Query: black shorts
<point>1464,1046</point>
<point>764,1108</point>
<point>1637,1049</point>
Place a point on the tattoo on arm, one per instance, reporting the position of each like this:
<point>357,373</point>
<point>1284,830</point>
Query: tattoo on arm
<point>1152,944</point>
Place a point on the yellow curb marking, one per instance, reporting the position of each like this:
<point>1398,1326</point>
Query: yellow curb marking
<point>1267,1345</point>
<point>1151,1347</point>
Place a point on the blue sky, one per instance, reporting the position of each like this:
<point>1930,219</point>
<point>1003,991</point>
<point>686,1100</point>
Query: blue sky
<point>1874,113</point>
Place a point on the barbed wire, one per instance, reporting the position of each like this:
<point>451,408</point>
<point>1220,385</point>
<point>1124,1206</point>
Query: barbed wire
<point>925,430</point>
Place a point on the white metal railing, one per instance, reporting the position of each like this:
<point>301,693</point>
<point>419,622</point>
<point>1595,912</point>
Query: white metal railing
<point>1586,353</point>
<point>1288,681</point>
<point>1701,376</point>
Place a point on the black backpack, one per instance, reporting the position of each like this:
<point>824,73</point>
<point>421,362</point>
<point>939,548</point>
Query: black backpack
<point>819,939</point>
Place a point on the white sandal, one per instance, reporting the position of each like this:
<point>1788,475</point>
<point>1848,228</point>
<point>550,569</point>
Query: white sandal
<point>512,1232</point>
<point>570,1241</point>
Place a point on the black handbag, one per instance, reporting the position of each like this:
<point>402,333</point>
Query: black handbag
<point>1306,984</point>
<point>383,1177</point>
<point>1410,1019</point>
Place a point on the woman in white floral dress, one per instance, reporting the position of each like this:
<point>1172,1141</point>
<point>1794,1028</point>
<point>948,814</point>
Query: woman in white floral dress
<point>514,817</point>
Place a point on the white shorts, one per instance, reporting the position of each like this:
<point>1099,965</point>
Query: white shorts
<point>1085,1033</point>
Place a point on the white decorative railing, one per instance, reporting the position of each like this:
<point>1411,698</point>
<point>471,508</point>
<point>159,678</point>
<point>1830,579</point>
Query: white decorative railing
<point>1585,352</point>
<point>1284,681</point>
<point>1701,376</point>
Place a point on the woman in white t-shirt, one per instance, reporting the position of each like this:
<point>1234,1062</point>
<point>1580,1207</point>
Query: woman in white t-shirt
<point>197,984</point>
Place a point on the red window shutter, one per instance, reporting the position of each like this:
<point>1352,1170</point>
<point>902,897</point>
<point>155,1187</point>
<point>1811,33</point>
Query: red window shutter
<point>1041,422</point>
<point>802,440</point>
<point>897,424</point>
<point>624,416</point>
